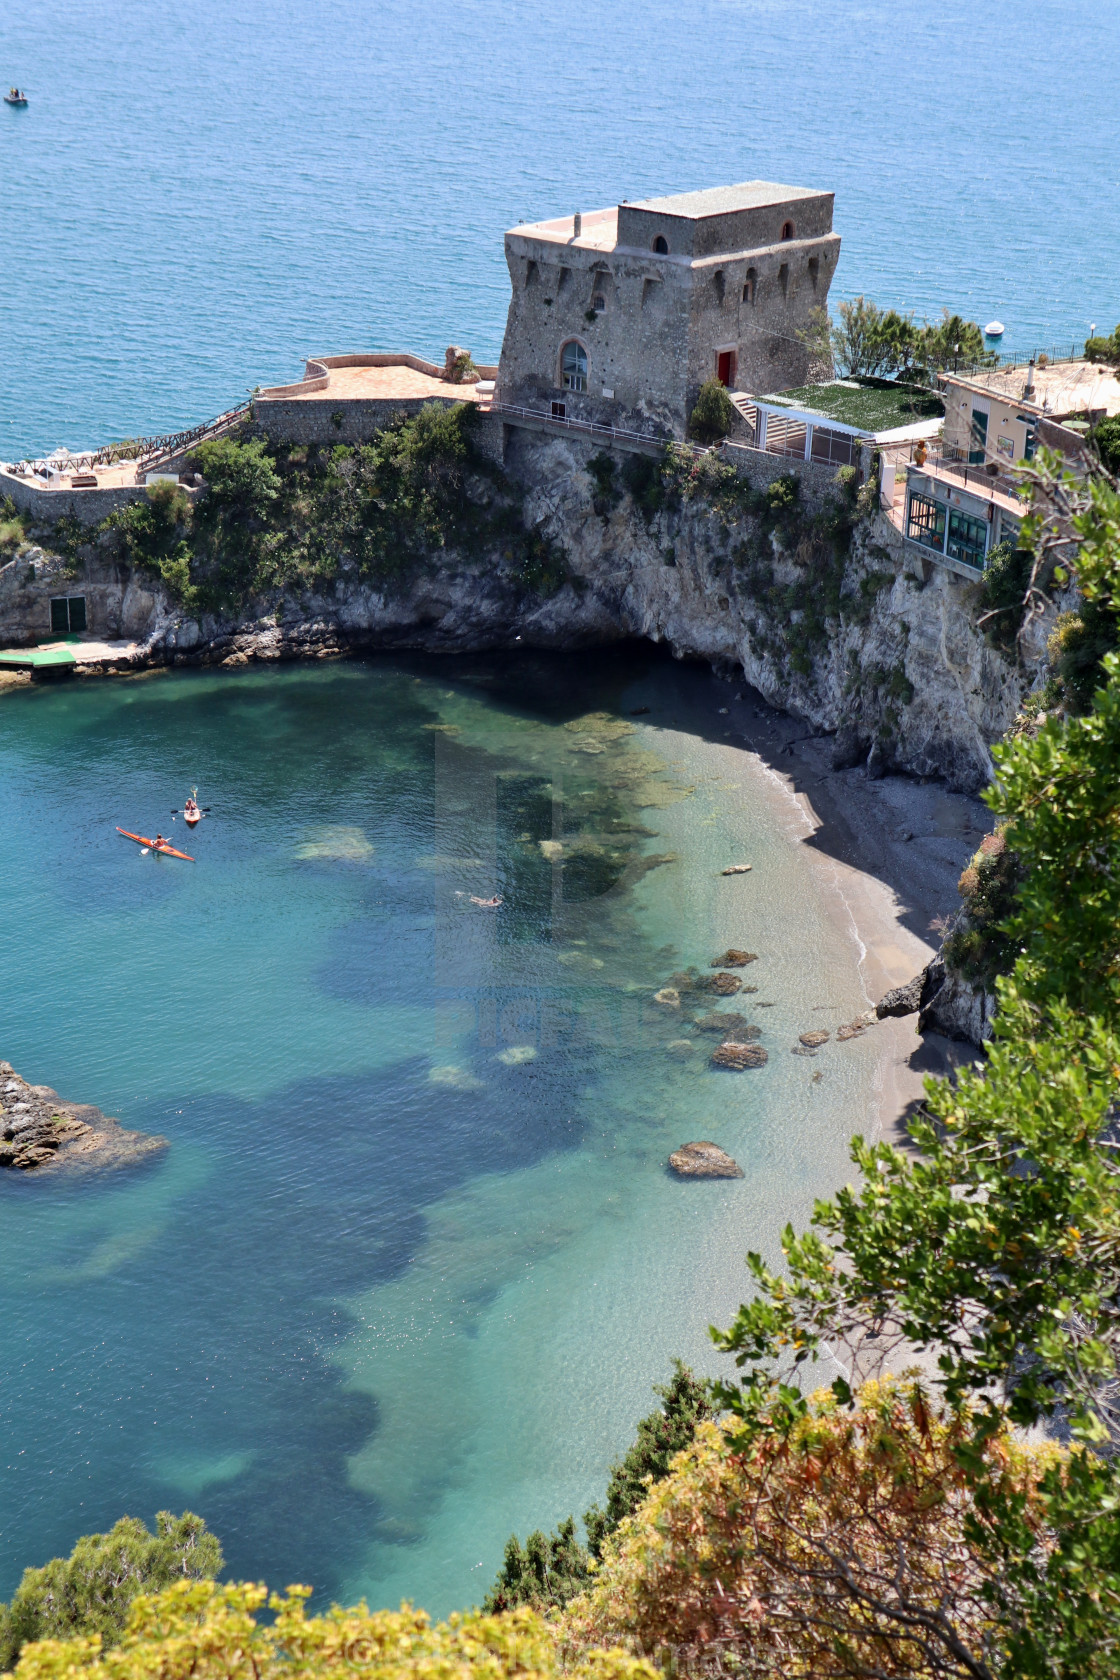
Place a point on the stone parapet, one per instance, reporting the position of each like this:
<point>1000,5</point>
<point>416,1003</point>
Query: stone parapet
<point>90,507</point>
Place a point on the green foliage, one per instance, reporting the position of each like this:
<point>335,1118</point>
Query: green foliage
<point>1106,436</point>
<point>603,470</point>
<point>1002,595</point>
<point>551,1568</point>
<point>686,1402</point>
<point>154,533</point>
<point>714,414</point>
<point>996,1246</point>
<point>543,1574</point>
<point>196,1630</point>
<point>871,341</point>
<point>980,946</point>
<point>91,1591</point>
<point>1104,349</point>
<point>278,518</point>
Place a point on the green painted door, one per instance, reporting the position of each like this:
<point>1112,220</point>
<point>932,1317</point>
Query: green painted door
<point>978,439</point>
<point>60,616</point>
<point>77,604</point>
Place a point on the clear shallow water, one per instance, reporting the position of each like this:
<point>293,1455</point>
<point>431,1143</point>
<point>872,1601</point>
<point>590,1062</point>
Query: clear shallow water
<point>404,1277</point>
<point>200,195</point>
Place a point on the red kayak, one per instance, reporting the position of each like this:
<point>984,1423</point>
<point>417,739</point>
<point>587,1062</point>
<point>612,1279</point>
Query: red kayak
<point>142,840</point>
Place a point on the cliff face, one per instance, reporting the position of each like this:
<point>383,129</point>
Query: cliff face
<point>841,629</point>
<point>898,671</point>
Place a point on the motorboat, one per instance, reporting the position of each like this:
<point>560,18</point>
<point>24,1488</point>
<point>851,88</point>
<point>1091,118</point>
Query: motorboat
<point>15,96</point>
<point>994,329</point>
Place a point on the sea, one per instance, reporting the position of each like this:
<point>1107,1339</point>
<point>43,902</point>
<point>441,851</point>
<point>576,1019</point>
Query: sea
<point>199,195</point>
<point>406,1274</point>
<point>404,1277</point>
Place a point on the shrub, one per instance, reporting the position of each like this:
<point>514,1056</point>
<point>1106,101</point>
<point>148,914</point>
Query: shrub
<point>714,414</point>
<point>91,1592</point>
<point>241,478</point>
<point>787,1557</point>
<point>1106,436</point>
<point>1002,595</point>
<point>1102,349</point>
<point>200,1631</point>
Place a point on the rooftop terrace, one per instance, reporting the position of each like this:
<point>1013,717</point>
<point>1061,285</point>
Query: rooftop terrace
<point>1059,387</point>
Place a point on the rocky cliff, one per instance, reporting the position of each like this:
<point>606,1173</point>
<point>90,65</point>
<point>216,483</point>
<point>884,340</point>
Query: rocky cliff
<point>817,605</point>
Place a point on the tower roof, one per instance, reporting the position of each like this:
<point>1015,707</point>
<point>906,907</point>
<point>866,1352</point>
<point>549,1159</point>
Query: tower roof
<point>725,201</point>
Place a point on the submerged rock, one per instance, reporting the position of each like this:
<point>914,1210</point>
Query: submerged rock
<point>723,985</point>
<point>737,869</point>
<point>704,1160</point>
<point>732,958</point>
<point>668,997</point>
<point>854,1029</point>
<point>738,1056</point>
<point>517,1055</point>
<point>811,1040</point>
<point>38,1129</point>
<point>728,1025</point>
<point>680,1047</point>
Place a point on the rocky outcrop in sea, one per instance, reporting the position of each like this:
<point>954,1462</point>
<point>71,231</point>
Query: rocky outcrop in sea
<point>39,1131</point>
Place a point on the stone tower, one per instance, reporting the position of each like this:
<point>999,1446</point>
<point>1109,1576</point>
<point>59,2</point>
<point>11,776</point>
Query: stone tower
<point>622,314</point>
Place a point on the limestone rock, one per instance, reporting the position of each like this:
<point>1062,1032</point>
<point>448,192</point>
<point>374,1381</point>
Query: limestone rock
<point>737,869</point>
<point>668,997</point>
<point>37,1129</point>
<point>903,1000</point>
<point>723,985</point>
<point>704,1160</point>
<point>728,1025</point>
<point>733,958</point>
<point>813,1040</point>
<point>738,1056</point>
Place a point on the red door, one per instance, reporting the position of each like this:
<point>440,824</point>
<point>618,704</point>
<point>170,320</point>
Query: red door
<point>725,367</point>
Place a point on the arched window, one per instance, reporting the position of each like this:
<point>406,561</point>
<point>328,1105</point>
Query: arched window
<point>750,284</point>
<point>599,301</point>
<point>660,245</point>
<point>573,366</point>
<point>787,230</point>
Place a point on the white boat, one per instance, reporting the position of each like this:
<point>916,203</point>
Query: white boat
<point>994,329</point>
<point>15,96</point>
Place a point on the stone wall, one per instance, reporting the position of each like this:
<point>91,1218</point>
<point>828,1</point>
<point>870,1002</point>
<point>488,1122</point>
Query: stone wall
<point>88,506</point>
<point>334,420</point>
<point>664,320</point>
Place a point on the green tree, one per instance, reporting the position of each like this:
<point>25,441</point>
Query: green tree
<point>952,343</point>
<point>1106,436</point>
<point>91,1591</point>
<point>1104,349</point>
<point>551,1568</point>
<point>714,414</point>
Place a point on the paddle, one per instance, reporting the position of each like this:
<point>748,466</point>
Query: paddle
<point>205,809</point>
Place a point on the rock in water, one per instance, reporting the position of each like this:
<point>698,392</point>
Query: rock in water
<point>723,985</point>
<point>736,869</point>
<point>727,1025</point>
<point>668,997</point>
<point>812,1039</point>
<point>739,1056</point>
<point>38,1129</point>
<point>704,1160</point>
<point>732,958</point>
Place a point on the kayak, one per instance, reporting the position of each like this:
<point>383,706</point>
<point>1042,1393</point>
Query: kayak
<point>142,840</point>
<point>192,817</point>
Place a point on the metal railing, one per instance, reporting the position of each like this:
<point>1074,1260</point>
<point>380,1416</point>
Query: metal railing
<point>973,475</point>
<point>999,362</point>
<point>591,428</point>
<point>146,452</point>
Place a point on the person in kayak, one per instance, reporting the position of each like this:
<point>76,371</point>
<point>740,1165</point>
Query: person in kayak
<point>190,809</point>
<point>159,842</point>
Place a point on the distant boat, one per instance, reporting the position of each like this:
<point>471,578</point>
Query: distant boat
<point>15,97</point>
<point>994,329</point>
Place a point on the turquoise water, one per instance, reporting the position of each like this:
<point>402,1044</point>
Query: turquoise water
<point>199,194</point>
<point>405,1275</point>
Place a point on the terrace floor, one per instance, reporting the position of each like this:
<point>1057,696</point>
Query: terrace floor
<point>351,383</point>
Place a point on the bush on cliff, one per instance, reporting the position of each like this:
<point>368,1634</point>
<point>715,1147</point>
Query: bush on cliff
<point>200,1631</point>
<point>297,517</point>
<point>772,1559</point>
<point>91,1591</point>
<point>714,414</point>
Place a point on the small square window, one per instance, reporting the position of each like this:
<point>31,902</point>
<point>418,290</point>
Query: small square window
<point>559,411</point>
